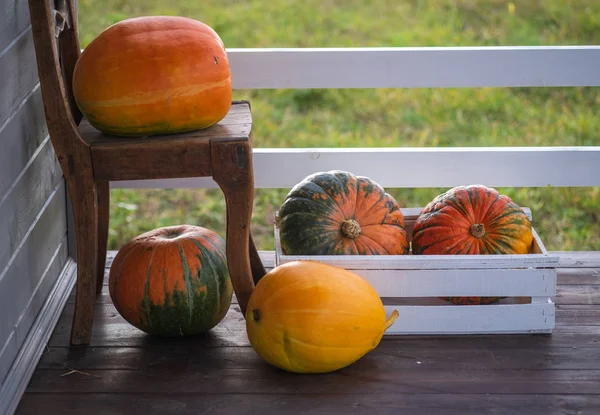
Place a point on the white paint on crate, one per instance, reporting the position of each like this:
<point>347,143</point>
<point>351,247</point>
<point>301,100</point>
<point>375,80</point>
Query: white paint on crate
<point>405,167</point>
<point>461,319</point>
<point>461,282</point>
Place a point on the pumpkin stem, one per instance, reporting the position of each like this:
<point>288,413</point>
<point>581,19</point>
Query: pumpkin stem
<point>350,228</point>
<point>256,314</point>
<point>391,319</point>
<point>477,230</point>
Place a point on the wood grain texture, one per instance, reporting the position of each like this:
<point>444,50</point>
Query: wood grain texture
<point>389,354</point>
<point>21,204</point>
<point>19,74</point>
<point>25,281</point>
<point>322,404</point>
<point>238,116</point>
<point>361,377</point>
<point>37,337</point>
<point>169,156</point>
<point>578,294</point>
<point>577,276</point>
<point>13,20</point>
<point>103,222</point>
<point>23,325</point>
<point>258,268</point>
<point>72,151</point>
<point>232,170</point>
<point>20,137</point>
<point>31,256</point>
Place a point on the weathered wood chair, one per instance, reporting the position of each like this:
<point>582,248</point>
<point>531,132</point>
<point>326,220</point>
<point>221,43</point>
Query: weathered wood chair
<point>90,160</point>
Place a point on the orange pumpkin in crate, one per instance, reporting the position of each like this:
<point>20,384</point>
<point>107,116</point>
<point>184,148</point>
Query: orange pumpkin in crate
<point>472,220</point>
<point>153,75</point>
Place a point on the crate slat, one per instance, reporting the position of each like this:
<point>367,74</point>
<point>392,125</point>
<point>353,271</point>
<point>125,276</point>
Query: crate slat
<point>461,282</point>
<point>490,319</point>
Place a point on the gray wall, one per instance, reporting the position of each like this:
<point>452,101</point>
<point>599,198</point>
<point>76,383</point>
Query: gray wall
<point>33,226</point>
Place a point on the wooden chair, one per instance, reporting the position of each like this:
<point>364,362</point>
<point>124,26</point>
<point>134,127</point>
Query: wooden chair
<point>90,160</point>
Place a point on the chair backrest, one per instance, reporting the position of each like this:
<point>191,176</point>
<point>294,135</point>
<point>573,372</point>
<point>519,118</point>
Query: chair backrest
<point>54,26</point>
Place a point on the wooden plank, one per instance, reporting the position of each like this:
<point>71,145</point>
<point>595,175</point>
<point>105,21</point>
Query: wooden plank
<point>22,203</point>
<point>19,74</point>
<point>390,355</point>
<point>578,315</point>
<point>13,343</point>
<point>461,282</point>
<point>437,167</point>
<point>415,67</point>
<point>13,20</point>
<point>565,276</point>
<point>585,259</point>
<point>31,350</point>
<point>123,161</point>
<point>581,294</point>
<point>361,377</point>
<point>579,276</point>
<point>578,294</point>
<point>181,155</point>
<point>428,262</point>
<point>20,137</point>
<point>24,275</point>
<point>111,330</point>
<point>238,114</point>
<point>451,319</point>
<point>291,403</point>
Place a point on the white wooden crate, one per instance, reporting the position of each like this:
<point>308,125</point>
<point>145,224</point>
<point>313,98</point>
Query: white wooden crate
<point>412,284</point>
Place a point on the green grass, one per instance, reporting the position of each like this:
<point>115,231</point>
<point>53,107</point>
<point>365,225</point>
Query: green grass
<point>566,218</point>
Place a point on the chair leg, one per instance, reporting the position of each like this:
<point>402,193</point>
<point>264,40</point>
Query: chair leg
<point>85,210</point>
<point>258,269</point>
<point>232,170</point>
<point>103,216</point>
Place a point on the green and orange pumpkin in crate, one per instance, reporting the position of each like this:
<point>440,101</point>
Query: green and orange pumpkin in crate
<point>338,213</point>
<point>172,281</point>
<point>472,220</point>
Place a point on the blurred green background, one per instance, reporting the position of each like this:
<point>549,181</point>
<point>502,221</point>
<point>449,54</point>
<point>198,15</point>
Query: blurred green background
<point>566,218</point>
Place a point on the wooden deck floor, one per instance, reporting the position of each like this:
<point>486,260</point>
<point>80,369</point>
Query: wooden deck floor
<point>124,371</point>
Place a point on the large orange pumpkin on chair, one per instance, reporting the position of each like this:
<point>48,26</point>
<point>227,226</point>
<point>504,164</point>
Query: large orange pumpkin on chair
<point>172,281</point>
<point>472,220</point>
<point>153,75</point>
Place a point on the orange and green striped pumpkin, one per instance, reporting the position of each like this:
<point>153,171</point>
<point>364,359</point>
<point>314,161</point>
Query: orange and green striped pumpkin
<point>153,75</point>
<point>338,213</point>
<point>472,220</point>
<point>172,281</point>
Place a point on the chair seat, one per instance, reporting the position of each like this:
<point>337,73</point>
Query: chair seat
<point>169,156</point>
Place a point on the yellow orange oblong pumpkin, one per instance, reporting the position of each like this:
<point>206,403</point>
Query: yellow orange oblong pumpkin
<point>309,317</point>
<point>153,75</point>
